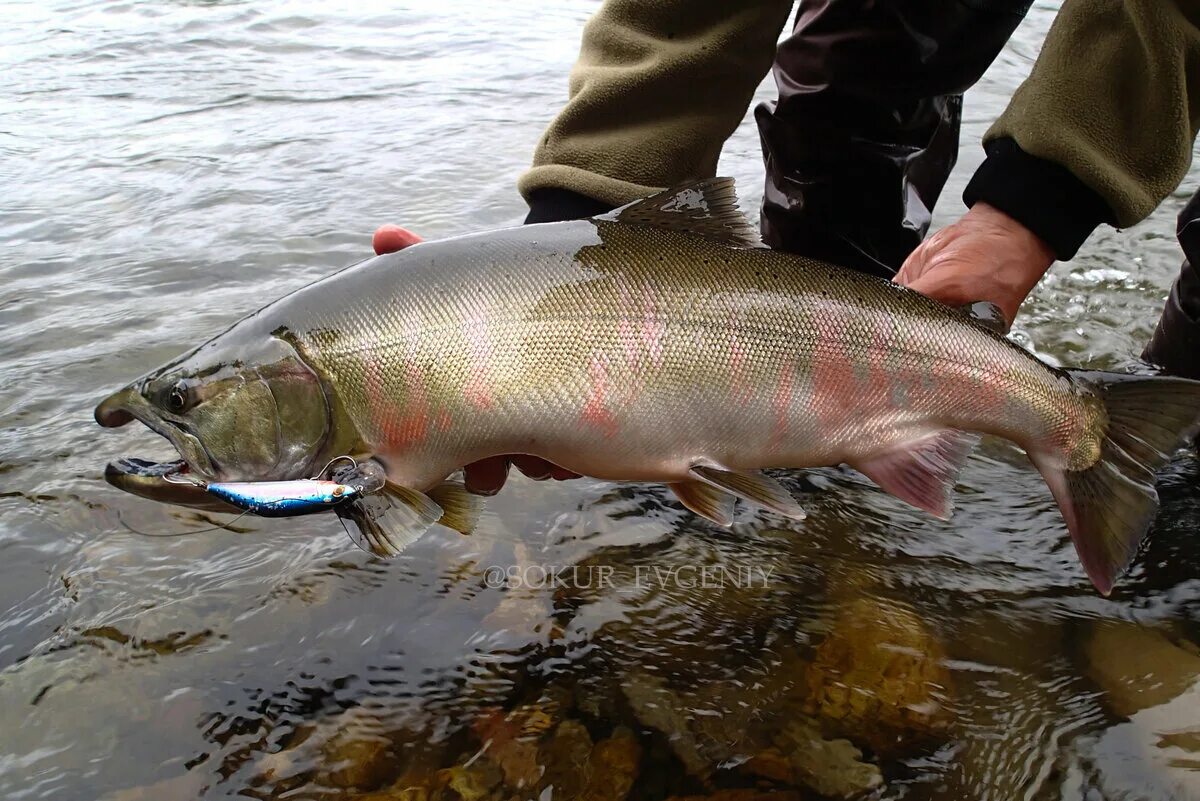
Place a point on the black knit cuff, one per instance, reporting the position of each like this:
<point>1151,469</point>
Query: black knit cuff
<point>1043,196</point>
<point>555,205</point>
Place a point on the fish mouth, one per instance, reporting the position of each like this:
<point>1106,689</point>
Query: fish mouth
<point>166,482</point>
<point>153,479</point>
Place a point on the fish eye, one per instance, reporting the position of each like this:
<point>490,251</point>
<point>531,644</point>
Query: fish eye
<point>177,398</point>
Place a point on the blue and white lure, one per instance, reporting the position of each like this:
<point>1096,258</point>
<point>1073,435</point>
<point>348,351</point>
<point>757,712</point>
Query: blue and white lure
<point>295,497</point>
<point>302,496</point>
<point>380,518</point>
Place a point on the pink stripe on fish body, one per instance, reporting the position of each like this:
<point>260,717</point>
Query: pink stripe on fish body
<point>878,385</point>
<point>596,412</point>
<point>641,330</point>
<point>403,422</point>
<point>833,374</point>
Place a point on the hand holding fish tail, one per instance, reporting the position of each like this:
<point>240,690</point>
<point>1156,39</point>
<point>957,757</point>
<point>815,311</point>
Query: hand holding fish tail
<point>986,255</point>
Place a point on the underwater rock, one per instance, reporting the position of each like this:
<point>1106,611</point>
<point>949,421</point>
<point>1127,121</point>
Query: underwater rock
<point>579,770</point>
<point>359,753</point>
<point>802,756</point>
<point>352,749</point>
<point>511,742</point>
<point>613,767</point>
<point>657,707</point>
<point>879,677</point>
<point>285,764</point>
<point>535,750</point>
<point>752,724</point>
<point>565,756</point>
<point>714,722</point>
<point>398,794</point>
<point>421,786</point>
<point>1140,667</point>
<point>1016,708</point>
<point>475,782</point>
<point>185,787</point>
<point>1155,683</point>
<point>599,695</point>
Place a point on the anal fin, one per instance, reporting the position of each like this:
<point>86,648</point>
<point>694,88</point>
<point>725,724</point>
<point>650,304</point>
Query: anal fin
<point>387,522</point>
<point>708,501</point>
<point>751,485</point>
<point>923,472</point>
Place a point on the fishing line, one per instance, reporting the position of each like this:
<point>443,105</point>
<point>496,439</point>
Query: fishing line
<point>224,526</point>
<point>890,270</point>
<point>186,480</point>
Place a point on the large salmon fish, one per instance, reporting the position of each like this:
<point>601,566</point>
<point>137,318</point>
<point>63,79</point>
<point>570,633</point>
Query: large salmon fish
<point>662,343</point>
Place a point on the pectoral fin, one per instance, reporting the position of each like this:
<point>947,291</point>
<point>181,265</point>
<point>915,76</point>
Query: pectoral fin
<point>460,509</point>
<point>749,485</point>
<point>389,521</point>
<point>705,500</point>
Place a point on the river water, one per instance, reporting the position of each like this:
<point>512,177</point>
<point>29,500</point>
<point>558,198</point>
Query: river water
<point>166,167</point>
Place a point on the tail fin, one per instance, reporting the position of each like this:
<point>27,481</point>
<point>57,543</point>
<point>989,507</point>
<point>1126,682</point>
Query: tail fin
<point>1109,506</point>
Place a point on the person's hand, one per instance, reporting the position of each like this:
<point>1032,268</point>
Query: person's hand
<point>486,476</point>
<point>390,238</point>
<point>986,255</point>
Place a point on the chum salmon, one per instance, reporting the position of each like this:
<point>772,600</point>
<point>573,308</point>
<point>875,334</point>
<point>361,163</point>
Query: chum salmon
<point>658,343</point>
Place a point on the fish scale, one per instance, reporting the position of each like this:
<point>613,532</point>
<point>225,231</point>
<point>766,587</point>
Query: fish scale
<point>660,342</point>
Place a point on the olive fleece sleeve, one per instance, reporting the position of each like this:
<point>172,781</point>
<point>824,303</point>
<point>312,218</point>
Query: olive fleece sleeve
<point>658,88</point>
<point>1103,128</point>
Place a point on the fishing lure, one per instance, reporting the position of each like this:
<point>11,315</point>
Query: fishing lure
<point>297,497</point>
<point>302,496</point>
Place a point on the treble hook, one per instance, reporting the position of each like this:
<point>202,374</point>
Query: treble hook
<point>333,461</point>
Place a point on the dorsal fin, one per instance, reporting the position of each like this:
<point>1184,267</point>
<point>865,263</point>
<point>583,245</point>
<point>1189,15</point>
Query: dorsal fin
<point>708,208</point>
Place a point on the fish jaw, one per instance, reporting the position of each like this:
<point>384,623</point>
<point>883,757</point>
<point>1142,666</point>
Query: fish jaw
<point>165,482</point>
<point>128,404</point>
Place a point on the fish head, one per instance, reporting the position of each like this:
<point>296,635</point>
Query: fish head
<point>234,410</point>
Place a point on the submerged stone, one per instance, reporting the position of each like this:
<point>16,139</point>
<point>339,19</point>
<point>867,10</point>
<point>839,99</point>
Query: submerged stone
<point>1154,682</point>
<point>1140,667</point>
<point>833,768</point>
<point>577,768</point>
<point>879,677</point>
<point>755,727</point>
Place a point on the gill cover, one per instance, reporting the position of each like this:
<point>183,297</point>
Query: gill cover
<point>302,413</point>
